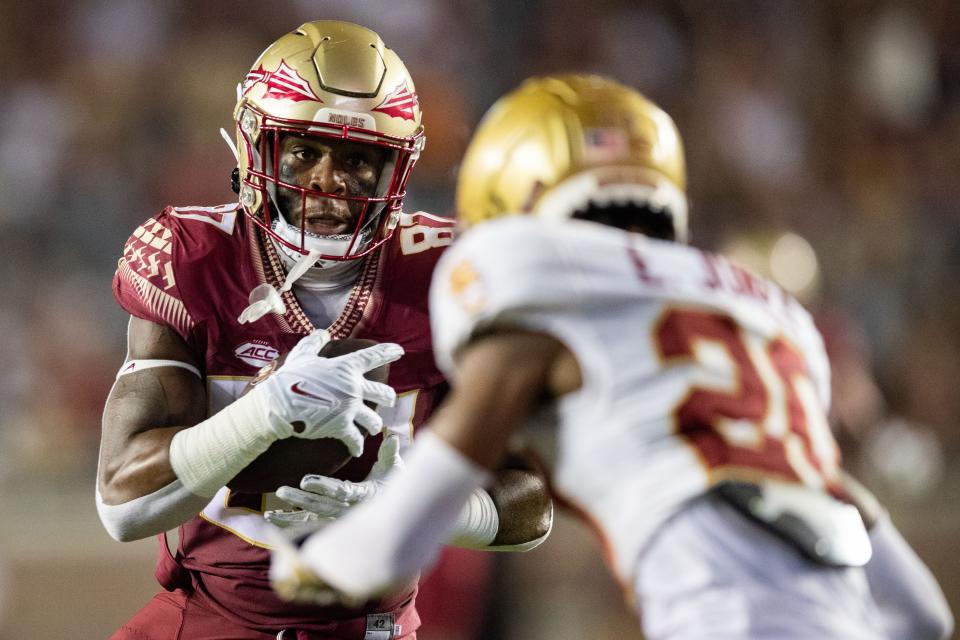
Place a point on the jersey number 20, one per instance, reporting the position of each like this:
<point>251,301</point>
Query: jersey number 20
<point>751,407</point>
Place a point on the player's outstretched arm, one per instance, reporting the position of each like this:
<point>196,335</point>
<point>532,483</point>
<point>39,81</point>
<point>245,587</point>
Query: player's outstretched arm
<point>514,514</point>
<point>502,379</point>
<point>161,461</point>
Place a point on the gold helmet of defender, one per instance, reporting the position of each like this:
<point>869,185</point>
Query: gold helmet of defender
<point>335,80</point>
<point>560,144</point>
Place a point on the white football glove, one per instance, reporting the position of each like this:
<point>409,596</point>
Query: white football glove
<point>311,397</point>
<point>321,499</point>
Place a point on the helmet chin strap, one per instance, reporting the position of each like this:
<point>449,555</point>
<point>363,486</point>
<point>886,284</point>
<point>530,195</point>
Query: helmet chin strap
<point>230,143</point>
<point>266,299</point>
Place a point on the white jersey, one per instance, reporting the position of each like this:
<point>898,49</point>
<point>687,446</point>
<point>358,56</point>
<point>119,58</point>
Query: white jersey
<point>694,370</point>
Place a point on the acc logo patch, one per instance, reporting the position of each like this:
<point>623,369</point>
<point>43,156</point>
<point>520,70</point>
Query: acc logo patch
<point>256,353</point>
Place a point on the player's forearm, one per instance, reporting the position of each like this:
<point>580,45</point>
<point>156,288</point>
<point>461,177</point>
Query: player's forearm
<point>139,469</point>
<point>516,514</point>
<point>164,477</point>
<point>204,457</point>
<point>208,455</point>
<point>138,494</point>
<point>150,514</point>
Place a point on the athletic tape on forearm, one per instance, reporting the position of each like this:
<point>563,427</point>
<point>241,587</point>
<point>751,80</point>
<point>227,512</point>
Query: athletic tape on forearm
<point>151,514</point>
<point>478,522</point>
<point>206,456</point>
<point>401,530</point>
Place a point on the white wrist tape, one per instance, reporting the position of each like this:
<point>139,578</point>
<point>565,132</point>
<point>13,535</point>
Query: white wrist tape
<point>208,455</point>
<point>151,514</point>
<point>478,522</point>
<point>132,366</point>
<point>400,531</point>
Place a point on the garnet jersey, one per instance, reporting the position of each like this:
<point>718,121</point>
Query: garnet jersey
<point>694,370</point>
<point>192,269</point>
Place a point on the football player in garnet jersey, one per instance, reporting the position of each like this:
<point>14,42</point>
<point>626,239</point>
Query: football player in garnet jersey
<point>689,395</point>
<point>327,130</point>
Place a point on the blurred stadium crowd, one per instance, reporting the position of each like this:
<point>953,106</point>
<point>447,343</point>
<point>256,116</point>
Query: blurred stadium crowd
<point>823,141</point>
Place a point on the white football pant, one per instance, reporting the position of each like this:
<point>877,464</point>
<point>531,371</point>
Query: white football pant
<point>710,573</point>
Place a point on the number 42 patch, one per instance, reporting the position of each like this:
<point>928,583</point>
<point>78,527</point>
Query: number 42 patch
<point>381,626</point>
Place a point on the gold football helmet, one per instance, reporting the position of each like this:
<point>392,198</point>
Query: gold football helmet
<point>334,80</point>
<point>559,144</point>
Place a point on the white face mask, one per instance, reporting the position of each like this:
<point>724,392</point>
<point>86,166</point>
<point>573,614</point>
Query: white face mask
<point>336,245</point>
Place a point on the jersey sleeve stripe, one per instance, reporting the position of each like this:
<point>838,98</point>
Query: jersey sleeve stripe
<point>157,301</point>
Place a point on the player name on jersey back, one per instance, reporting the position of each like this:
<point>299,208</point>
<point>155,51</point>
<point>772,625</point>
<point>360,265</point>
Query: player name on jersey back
<point>520,263</point>
<point>671,270</point>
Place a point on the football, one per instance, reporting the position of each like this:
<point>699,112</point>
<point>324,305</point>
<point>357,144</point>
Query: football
<point>288,460</point>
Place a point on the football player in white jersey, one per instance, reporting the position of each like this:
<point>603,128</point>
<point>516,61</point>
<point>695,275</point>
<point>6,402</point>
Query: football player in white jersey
<point>689,395</point>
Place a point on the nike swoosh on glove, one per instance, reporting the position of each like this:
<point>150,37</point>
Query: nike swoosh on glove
<point>311,397</point>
